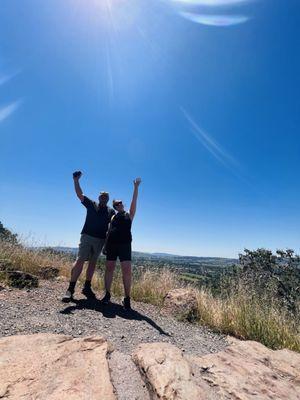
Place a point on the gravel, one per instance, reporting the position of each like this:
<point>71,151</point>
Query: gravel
<point>40,310</point>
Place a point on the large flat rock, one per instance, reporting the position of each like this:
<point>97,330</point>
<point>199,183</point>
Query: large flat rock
<point>168,374</point>
<point>243,371</point>
<point>248,370</point>
<point>54,367</point>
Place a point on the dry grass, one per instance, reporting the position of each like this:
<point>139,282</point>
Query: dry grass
<point>148,286</point>
<point>248,317</point>
<point>242,313</point>
<point>30,261</point>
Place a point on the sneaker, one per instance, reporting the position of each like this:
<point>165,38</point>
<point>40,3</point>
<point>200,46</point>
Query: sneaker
<point>106,299</point>
<point>87,292</point>
<point>126,304</point>
<point>68,296</point>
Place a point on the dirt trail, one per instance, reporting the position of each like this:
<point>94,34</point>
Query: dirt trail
<point>41,310</point>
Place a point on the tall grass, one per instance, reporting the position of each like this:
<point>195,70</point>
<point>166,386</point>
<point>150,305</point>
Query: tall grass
<point>241,312</point>
<point>31,261</point>
<point>148,286</point>
<point>248,317</point>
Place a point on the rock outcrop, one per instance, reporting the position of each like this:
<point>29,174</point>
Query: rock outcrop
<point>244,371</point>
<point>168,373</point>
<point>14,278</point>
<point>54,367</point>
<point>180,303</point>
<point>58,367</point>
<point>21,280</point>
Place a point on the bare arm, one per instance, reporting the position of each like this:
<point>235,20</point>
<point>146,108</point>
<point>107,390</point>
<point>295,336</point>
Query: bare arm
<point>132,210</point>
<point>77,187</point>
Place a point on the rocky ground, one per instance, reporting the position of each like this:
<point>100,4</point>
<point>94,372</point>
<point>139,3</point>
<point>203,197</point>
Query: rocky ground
<point>40,310</point>
<point>85,351</point>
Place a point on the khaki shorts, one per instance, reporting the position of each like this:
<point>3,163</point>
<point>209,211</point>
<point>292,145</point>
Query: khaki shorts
<point>90,247</point>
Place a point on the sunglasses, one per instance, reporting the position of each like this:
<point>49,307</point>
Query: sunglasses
<point>119,203</point>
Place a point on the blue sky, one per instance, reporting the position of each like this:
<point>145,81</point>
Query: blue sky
<point>198,97</point>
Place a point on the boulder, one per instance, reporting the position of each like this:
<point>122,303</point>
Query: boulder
<point>243,371</point>
<point>181,303</point>
<point>54,367</point>
<point>167,373</point>
<point>21,280</point>
<point>249,370</point>
<point>14,278</point>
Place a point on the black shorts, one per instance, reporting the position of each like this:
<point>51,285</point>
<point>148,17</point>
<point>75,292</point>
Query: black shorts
<point>121,250</point>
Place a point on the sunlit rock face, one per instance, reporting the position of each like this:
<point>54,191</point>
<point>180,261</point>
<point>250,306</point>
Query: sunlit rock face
<point>54,367</point>
<point>244,370</point>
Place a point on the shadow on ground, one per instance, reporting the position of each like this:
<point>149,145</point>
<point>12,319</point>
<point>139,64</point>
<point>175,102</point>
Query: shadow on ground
<point>111,310</point>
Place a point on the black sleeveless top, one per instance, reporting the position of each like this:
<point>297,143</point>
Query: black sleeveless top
<point>120,229</point>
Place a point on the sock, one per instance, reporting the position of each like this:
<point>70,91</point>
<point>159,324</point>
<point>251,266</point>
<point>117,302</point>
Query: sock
<point>72,286</point>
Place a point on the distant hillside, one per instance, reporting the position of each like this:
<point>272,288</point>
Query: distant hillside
<point>174,258</point>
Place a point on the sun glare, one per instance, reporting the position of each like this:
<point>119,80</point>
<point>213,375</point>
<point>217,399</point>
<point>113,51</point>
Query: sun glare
<point>116,14</point>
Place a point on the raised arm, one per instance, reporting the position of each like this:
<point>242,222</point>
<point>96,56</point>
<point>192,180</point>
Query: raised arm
<point>78,190</point>
<point>132,210</point>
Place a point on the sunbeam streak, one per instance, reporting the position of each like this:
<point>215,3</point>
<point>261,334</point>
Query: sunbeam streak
<point>4,78</point>
<point>210,144</point>
<point>8,110</point>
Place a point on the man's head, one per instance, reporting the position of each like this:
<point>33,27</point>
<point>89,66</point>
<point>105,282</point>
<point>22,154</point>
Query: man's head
<point>103,198</point>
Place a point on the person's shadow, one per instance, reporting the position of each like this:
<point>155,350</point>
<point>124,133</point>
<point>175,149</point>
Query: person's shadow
<point>111,311</point>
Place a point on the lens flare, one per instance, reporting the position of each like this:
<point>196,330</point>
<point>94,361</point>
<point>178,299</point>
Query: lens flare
<point>215,20</point>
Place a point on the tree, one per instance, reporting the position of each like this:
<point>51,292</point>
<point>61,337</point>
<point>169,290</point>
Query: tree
<point>7,235</point>
<point>277,273</point>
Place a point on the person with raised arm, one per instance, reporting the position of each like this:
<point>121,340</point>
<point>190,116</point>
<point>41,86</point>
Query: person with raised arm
<point>118,245</point>
<point>93,234</point>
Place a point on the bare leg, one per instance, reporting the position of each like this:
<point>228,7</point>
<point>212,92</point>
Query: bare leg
<point>90,270</point>
<point>126,272</point>
<point>77,269</point>
<point>109,273</point>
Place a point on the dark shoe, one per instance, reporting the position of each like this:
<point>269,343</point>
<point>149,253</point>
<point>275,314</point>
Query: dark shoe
<point>126,304</point>
<point>88,293</point>
<point>106,299</point>
<point>68,296</point>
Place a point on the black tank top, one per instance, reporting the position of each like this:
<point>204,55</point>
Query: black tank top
<point>120,229</point>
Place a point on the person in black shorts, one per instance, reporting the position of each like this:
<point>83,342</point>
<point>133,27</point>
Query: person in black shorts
<point>118,245</point>
<point>93,234</point>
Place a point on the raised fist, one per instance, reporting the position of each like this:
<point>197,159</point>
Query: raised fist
<point>77,174</point>
<point>137,182</point>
